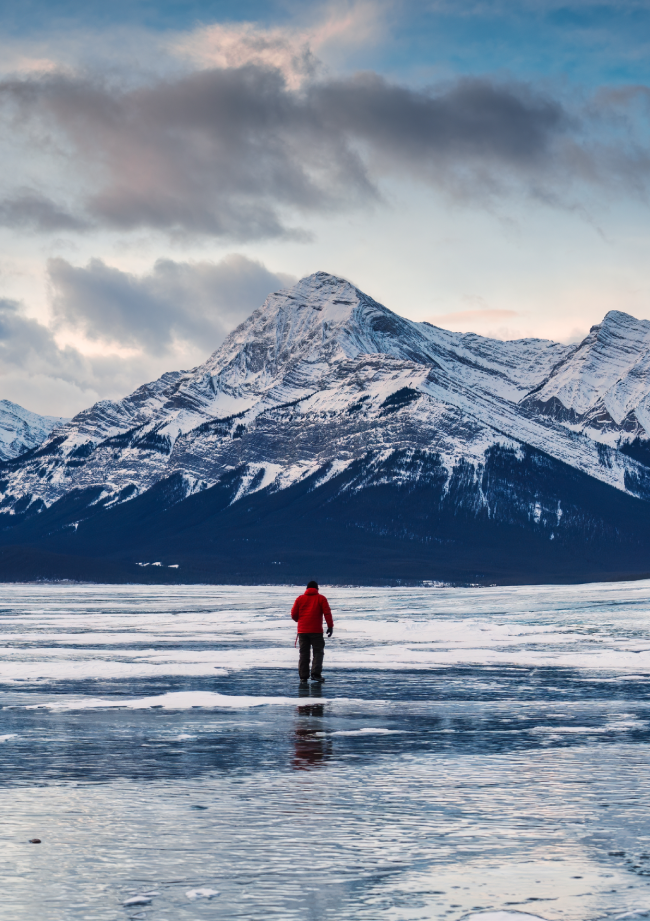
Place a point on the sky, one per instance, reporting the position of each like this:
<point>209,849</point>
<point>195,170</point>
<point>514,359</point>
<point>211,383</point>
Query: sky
<point>483,165</point>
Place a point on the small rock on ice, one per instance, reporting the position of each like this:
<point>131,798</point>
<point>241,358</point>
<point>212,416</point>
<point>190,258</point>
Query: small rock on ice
<point>202,894</point>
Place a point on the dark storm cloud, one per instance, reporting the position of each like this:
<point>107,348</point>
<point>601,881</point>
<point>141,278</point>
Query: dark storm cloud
<point>473,119</point>
<point>237,152</point>
<point>218,152</point>
<point>29,210</point>
<point>196,303</point>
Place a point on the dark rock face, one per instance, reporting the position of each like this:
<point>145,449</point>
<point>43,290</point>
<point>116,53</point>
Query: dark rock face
<point>329,434</point>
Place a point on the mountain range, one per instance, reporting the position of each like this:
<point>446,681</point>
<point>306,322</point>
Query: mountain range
<point>331,438</point>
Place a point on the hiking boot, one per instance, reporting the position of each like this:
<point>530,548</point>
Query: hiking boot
<point>318,678</point>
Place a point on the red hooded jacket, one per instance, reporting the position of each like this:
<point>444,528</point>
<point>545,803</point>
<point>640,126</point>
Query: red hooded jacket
<point>308,610</point>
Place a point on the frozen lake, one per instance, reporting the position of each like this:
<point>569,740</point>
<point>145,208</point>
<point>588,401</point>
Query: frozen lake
<point>472,750</point>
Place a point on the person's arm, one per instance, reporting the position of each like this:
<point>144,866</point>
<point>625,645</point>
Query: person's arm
<point>295,613</point>
<point>329,620</point>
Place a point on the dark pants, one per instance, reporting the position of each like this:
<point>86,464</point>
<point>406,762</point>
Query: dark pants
<point>308,641</point>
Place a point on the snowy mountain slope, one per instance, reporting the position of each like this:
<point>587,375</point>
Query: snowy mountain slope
<point>602,388</point>
<point>307,381</point>
<point>22,430</point>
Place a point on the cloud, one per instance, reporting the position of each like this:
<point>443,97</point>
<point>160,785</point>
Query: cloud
<point>576,335</point>
<point>259,138</point>
<point>176,314</point>
<point>28,209</point>
<point>240,44</point>
<point>30,346</point>
<point>37,373</point>
<point>220,152</point>
<point>227,151</point>
<point>471,130</point>
<point>177,302</point>
<point>30,65</point>
<point>335,28</point>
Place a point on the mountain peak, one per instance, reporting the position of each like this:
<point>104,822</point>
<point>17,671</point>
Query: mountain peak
<point>315,291</point>
<point>618,323</point>
<point>320,318</point>
<point>619,316</point>
<point>622,333</point>
<point>320,292</point>
<point>22,430</point>
<point>318,280</point>
<point>603,382</point>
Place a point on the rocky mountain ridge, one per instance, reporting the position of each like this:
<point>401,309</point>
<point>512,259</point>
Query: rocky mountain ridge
<point>22,430</point>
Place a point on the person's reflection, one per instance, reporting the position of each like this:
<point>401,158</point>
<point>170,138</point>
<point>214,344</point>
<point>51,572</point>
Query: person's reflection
<point>311,747</point>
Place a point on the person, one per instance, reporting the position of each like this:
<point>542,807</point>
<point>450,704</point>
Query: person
<point>308,611</point>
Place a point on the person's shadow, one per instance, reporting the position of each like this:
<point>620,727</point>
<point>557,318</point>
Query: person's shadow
<point>312,748</point>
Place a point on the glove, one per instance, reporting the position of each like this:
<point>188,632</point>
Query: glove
<point>329,631</point>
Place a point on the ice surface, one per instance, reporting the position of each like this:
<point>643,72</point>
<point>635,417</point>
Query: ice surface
<point>89,633</point>
<point>474,753</point>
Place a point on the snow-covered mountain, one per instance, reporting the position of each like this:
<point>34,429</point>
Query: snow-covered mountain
<point>22,430</point>
<point>602,387</point>
<point>324,391</point>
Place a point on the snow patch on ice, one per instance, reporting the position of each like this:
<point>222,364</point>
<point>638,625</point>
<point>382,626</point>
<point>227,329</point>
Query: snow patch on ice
<point>503,916</point>
<point>194,894</point>
<point>620,725</point>
<point>143,899</point>
<point>174,700</point>
<point>368,731</point>
<point>153,665</point>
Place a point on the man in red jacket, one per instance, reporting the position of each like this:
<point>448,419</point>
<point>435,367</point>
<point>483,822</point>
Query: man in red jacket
<point>308,611</point>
